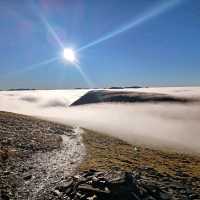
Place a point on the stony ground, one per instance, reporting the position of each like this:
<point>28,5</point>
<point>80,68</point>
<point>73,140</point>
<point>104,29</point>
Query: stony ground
<point>37,158</point>
<point>105,151</point>
<point>141,184</point>
<point>178,174</point>
<point>34,155</point>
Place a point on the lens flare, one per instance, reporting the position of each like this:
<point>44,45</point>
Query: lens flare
<point>31,67</point>
<point>69,55</point>
<point>149,15</point>
<point>86,79</point>
<point>51,30</point>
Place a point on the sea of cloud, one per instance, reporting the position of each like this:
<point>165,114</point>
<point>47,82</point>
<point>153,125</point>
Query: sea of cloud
<point>172,126</point>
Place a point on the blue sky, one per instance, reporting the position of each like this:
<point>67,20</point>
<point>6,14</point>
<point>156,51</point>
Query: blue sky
<point>136,42</point>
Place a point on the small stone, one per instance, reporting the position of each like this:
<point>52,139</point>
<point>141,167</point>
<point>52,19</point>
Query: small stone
<point>135,149</point>
<point>92,198</point>
<point>90,189</point>
<point>6,173</point>
<point>4,196</point>
<point>57,193</point>
<point>27,177</point>
<point>64,186</point>
<point>164,196</point>
<point>194,196</point>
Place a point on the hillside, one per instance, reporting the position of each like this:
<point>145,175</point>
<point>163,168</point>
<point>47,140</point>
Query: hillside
<point>99,96</point>
<point>39,157</point>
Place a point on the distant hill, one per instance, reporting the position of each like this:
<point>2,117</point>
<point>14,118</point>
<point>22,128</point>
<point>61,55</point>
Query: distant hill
<point>116,88</point>
<point>20,89</point>
<point>99,96</point>
<point>120,87</point>
<point>134,87</point>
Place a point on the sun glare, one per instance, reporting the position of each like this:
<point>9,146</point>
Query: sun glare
<point>69,55</point>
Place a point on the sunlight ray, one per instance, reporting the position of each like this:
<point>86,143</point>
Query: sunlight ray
<point>87,80</point>
<point>32,67</point>
<point>151,14</point>
<point>51,31</point>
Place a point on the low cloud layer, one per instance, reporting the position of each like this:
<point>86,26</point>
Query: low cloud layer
<point>29,98</point>
<point>171,126</point>
<point>55,103</point>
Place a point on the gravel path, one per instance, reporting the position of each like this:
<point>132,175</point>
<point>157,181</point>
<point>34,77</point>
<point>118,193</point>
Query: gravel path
<point>52,167</point>
<point>33,169</point>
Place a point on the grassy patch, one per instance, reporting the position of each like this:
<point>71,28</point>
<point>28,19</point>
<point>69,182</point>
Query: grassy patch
<point>106,152</point>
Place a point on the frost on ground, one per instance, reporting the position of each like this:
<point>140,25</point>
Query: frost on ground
<point>54,165</point>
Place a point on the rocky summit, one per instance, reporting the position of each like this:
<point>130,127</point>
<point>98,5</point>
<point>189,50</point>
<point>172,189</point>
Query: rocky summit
<point>118,185</point>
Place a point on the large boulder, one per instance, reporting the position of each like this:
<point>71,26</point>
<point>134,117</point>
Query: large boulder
<point>113,185</point>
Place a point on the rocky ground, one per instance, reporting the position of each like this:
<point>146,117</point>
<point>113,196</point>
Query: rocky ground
<point>173,173</point>
<point>35,154</point>
<point>44,160</point>
<point>142,184</point>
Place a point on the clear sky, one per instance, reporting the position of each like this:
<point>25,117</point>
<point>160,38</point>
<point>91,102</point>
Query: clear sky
<point>129,42</point>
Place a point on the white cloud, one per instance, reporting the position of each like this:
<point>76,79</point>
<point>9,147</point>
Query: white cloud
<point>170,125</point>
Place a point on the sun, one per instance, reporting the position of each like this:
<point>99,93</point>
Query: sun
<point>69,55</point>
